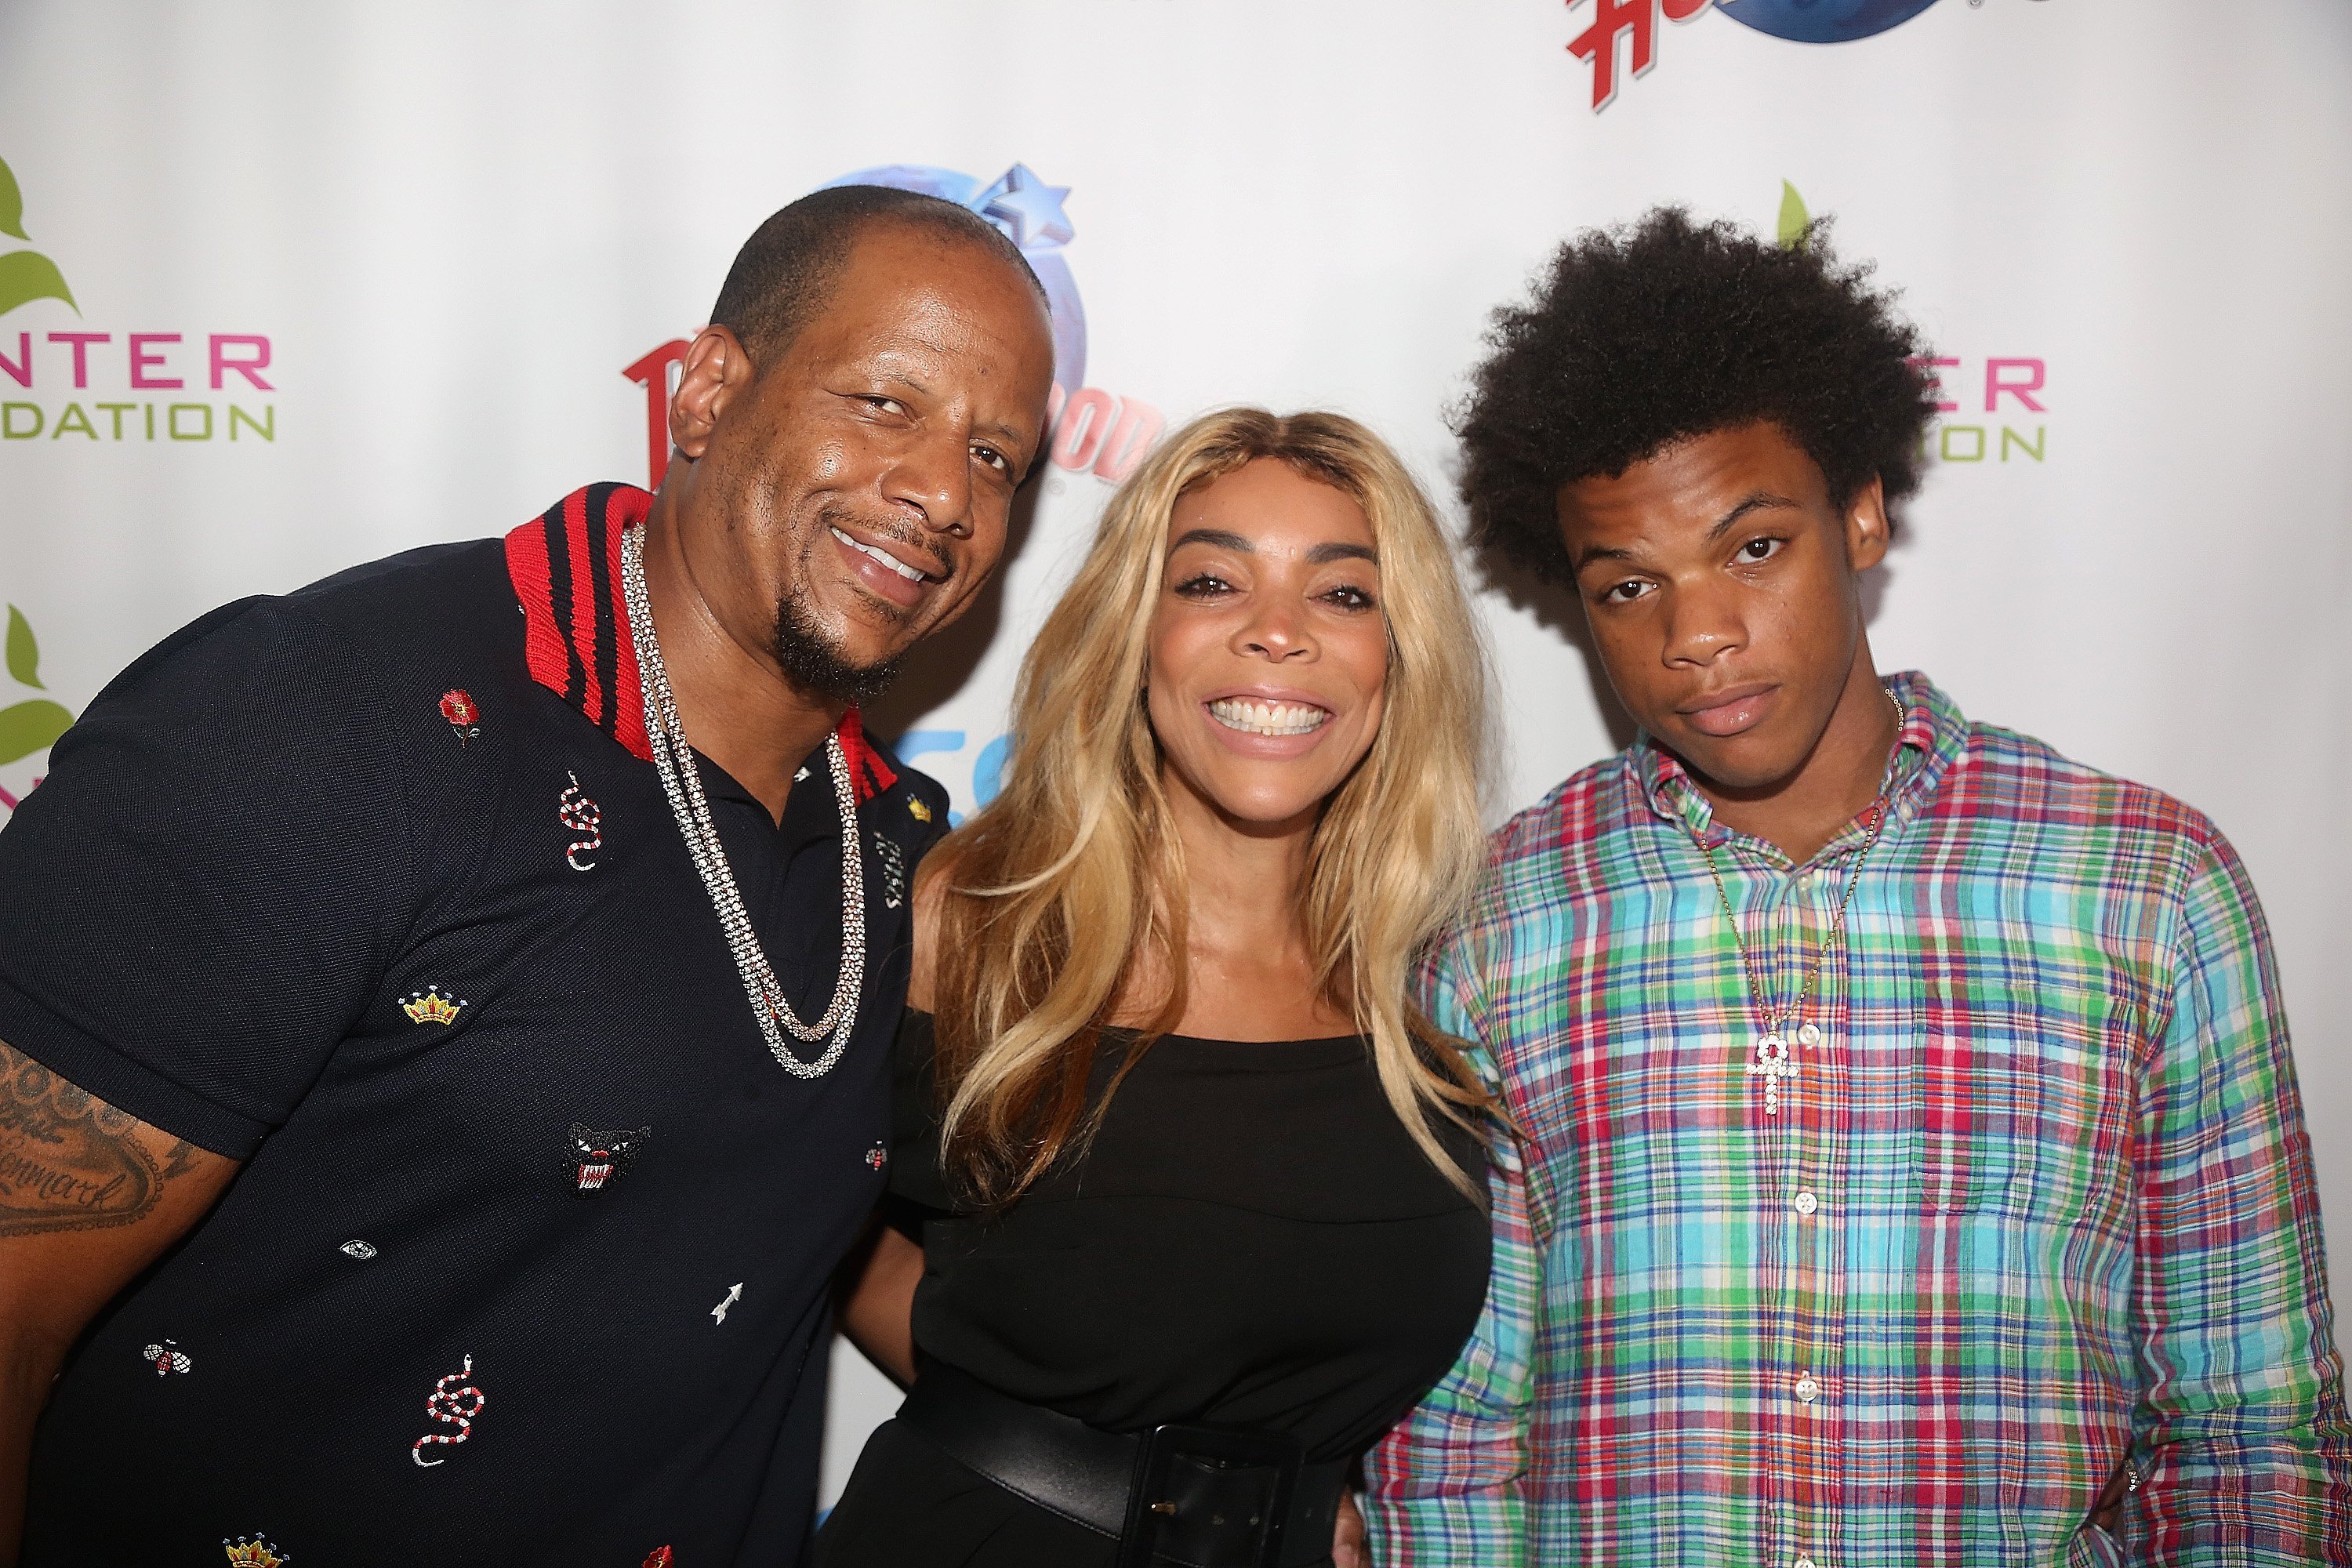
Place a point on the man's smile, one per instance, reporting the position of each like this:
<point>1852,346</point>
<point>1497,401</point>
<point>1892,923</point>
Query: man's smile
<point>890,569</point>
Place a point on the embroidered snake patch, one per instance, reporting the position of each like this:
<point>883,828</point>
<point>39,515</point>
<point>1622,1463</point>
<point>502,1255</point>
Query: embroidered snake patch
<point>580,814</point>
<point>445,1405</point>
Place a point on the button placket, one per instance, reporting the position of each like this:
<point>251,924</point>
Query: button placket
<point>1818,1150</point>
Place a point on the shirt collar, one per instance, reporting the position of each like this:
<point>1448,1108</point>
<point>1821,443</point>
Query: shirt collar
<point>565,565</point>
<point>1933,736</point>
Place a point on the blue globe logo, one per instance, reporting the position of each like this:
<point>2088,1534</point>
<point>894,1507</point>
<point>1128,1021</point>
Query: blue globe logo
<point>1029,211</point>
<point>1821,21</point>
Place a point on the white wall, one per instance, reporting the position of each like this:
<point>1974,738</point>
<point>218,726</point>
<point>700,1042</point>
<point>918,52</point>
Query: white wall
<point>456,222</point>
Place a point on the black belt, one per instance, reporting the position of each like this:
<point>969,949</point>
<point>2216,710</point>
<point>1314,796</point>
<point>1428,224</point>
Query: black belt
<point>1203,1497</point>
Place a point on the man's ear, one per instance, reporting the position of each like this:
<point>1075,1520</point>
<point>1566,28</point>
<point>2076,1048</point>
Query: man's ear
<point>1867,532</point>
<point>714,373</point>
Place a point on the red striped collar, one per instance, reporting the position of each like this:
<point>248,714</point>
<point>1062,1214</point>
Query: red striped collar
<point>565,565</point>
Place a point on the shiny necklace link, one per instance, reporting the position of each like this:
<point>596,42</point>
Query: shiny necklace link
<point>1772,1061</point>
<point>674,760</point>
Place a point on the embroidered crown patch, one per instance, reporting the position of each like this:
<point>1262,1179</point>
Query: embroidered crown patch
<point>253,1552</point>
<point>429,1006</point>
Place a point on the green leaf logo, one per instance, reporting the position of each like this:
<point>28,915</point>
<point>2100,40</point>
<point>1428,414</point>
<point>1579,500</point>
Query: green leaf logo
<point>24,274</point>
<point>33,726</point>
<point>1794,219</point>
<point>29,727</point>
<point>11,205</point>
<point>24,653</point>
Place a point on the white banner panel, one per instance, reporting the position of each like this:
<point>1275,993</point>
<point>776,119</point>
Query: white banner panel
<point>286,288</point>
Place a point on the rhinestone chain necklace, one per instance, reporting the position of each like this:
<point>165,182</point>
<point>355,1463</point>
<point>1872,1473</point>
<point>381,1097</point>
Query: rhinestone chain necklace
<point>683,785</point>
<point>1772,1063</point>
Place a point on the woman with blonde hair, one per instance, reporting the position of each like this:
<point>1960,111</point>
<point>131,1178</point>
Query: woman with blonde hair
<point>1199,1191</point>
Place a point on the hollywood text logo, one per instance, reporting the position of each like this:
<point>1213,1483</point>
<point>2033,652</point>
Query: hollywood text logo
<point>1635,25</point>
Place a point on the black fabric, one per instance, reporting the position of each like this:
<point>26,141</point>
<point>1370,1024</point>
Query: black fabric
<point>1252,1240</point>
<point>260,842</point>
<point>1212,1495</point>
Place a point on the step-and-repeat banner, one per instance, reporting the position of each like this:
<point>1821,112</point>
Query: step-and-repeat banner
<point>286,288</point>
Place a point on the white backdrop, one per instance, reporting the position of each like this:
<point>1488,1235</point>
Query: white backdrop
<point>451,228</point>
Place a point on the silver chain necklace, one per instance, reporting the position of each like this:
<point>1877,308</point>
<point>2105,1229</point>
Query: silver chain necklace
<point>1772,1061</point>
<point>674,760</point>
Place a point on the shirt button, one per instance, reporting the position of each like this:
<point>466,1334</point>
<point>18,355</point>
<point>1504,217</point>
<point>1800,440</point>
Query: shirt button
<point>1802,1562</point>
<point>1806,1389</point>
<point>1807,1202</point>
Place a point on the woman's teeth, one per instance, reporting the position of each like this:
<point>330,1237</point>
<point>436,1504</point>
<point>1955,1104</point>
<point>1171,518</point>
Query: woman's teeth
<point>1267,718</point>
<point>892,561</point>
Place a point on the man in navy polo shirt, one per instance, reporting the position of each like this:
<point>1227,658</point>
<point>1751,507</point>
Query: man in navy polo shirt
<point>446,1009</point>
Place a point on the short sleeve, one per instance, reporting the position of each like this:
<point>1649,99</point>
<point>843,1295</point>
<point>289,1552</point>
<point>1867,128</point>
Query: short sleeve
<point>915,1177</point>
<point>203,896</point>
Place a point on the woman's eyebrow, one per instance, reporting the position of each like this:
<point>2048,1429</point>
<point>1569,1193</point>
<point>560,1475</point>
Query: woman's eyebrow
<point>1216,536</point>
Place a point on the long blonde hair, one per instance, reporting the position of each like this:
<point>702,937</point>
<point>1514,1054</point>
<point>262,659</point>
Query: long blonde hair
<point>1046,898</point>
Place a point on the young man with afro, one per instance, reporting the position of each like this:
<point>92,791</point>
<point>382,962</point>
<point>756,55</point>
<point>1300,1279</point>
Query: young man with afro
<point>1908,1163</point>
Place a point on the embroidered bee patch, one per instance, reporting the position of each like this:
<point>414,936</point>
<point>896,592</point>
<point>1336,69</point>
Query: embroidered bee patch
<point>595,1158</point>
<point>167,1359</point>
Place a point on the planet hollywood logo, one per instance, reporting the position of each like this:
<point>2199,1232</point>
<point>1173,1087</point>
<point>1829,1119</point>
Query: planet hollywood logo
<point>126,370</point>
<point>1636,23</point>
<point>1091,430</point>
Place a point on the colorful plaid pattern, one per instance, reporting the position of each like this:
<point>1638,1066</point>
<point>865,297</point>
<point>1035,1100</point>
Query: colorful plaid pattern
<point>2039,1200</point>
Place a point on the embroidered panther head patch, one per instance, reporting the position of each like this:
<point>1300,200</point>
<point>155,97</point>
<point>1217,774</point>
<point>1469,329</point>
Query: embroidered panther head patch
<point>595,1158</point>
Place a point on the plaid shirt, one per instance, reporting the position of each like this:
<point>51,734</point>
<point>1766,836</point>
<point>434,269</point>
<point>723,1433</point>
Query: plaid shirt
<point>2037,1201</point>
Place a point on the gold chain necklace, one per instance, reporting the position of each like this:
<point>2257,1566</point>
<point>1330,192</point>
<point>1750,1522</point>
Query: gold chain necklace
<point>1772,1062</point>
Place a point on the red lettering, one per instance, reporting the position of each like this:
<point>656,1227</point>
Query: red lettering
<point>141,361</point>
<point>651,372</point>
<point>1935,381</point>
<point>80,342</point>
<point>1078,437</point>
<point>1138,426</point>
<point>1598,43</point>
<point>251,369</point>
<point>22,369</point>
<point>2023,391</point>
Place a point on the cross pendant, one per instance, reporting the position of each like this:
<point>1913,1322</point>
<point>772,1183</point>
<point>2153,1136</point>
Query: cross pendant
<point>1771,1065</point>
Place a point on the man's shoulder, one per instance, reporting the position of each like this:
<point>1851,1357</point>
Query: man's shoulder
<point>1577,814</point>
<point>1540,860</point>
<point>431,600</point>
<point>2012,775</point>
<point>919,818</point>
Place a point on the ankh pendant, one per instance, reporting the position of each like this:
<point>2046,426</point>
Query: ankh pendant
<point>1771,1065</point>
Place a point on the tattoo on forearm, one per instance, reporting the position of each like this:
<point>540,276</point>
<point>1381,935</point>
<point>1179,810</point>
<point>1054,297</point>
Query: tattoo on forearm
<point>68,1161</point>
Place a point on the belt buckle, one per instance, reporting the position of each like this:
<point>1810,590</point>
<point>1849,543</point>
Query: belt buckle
<point>1210,1497</point>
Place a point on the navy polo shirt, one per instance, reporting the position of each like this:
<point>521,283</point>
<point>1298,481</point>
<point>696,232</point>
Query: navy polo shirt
<point>375,887</point>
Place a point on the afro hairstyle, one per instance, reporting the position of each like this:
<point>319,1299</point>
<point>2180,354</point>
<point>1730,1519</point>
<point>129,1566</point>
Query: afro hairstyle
<point>1641,336</point>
